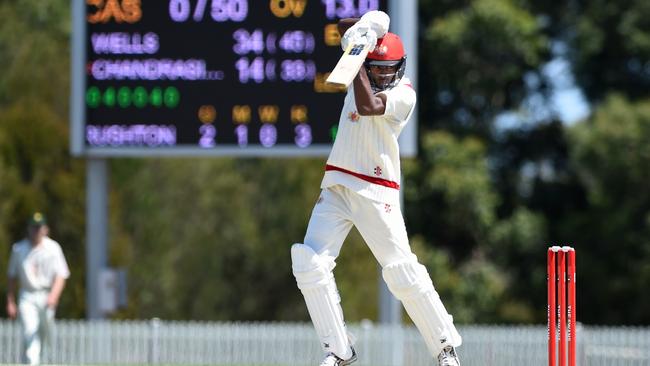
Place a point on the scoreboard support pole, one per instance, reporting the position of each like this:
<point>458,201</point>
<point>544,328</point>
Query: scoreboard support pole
<point>404,22</point>
<point>96,233</point>
<point>96,168</point>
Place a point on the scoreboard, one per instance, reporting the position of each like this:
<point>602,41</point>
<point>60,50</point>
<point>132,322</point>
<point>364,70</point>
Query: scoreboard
<point>207,77</point>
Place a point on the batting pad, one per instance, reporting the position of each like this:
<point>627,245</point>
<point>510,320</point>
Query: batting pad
<point>410,283</point>
<point>316,282</point>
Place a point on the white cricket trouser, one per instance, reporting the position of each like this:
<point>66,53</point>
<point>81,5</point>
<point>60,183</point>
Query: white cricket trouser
<point>381,226</point>
<point>37,322</point>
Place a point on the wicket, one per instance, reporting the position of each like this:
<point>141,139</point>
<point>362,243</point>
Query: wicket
<point>561,279</point>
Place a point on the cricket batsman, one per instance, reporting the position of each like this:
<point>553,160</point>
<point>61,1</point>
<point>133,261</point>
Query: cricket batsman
<point>361,188</point>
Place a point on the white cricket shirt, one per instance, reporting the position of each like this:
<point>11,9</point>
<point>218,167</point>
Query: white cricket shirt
<point>365,155</point>
<point>37,267</point>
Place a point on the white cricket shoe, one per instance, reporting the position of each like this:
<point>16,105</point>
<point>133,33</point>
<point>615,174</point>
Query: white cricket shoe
<point>334,360</point>
<point>448,357</point>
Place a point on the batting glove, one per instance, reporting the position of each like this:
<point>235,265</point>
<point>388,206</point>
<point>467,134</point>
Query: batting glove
<point>378,21</point>
<point>360,33</point>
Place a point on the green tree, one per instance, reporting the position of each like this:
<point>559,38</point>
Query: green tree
<point>36,171</point>
<point>611,46</point>
<point>481,61</point>
<point>473,57</point>
<point>612,154</point>
<point>449,198</point>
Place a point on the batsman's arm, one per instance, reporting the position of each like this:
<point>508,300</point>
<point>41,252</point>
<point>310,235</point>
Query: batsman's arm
<point>368,103</point>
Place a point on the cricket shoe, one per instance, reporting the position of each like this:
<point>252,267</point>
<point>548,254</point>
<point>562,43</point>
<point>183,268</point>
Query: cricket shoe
<point>448,357</point>
<point>334,360</point>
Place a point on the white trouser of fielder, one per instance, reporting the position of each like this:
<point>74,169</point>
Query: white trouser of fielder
<point>382,227</point>
<point>37,321</point>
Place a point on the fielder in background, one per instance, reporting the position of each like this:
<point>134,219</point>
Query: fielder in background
<point>361,188</point>
<point>36,264</point>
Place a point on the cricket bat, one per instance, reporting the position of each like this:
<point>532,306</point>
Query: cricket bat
<point>349,64</point>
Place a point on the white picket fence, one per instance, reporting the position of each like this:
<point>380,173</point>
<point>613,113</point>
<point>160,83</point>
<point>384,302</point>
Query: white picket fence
<point>289,344</point>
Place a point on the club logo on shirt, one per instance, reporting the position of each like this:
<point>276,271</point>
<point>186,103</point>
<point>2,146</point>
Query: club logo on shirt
<point>377,171</point>
<point>353,116</point>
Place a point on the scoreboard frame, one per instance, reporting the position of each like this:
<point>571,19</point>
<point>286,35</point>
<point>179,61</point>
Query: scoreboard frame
<point>403,22</point>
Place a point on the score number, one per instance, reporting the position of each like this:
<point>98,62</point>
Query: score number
<point>268,135</point>
<point>220,10</point>
<point>347,8</point>
<point>259,70</point>
<point>296,41</point>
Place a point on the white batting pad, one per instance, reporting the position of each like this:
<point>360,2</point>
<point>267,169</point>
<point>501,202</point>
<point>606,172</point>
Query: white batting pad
<point>410,283</point>
<point>316,282</point>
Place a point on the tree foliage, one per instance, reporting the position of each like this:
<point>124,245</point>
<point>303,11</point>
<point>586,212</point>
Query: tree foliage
<point>612,156</point>
<point>473,57</point>
<point>36,170</point>
<point>448,193</point>
<point>484,58</point>
<point>611,43</point>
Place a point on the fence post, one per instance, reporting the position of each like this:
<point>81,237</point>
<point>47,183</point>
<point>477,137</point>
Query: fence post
<point>581,344</point>
<point>399,341</point>
<point>154,352</point>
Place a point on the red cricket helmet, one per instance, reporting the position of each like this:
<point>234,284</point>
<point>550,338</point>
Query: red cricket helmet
<point>388,48</point>
<point>389,51</point>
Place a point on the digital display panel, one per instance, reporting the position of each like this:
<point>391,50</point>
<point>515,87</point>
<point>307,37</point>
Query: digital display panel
<point>231,77</point>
